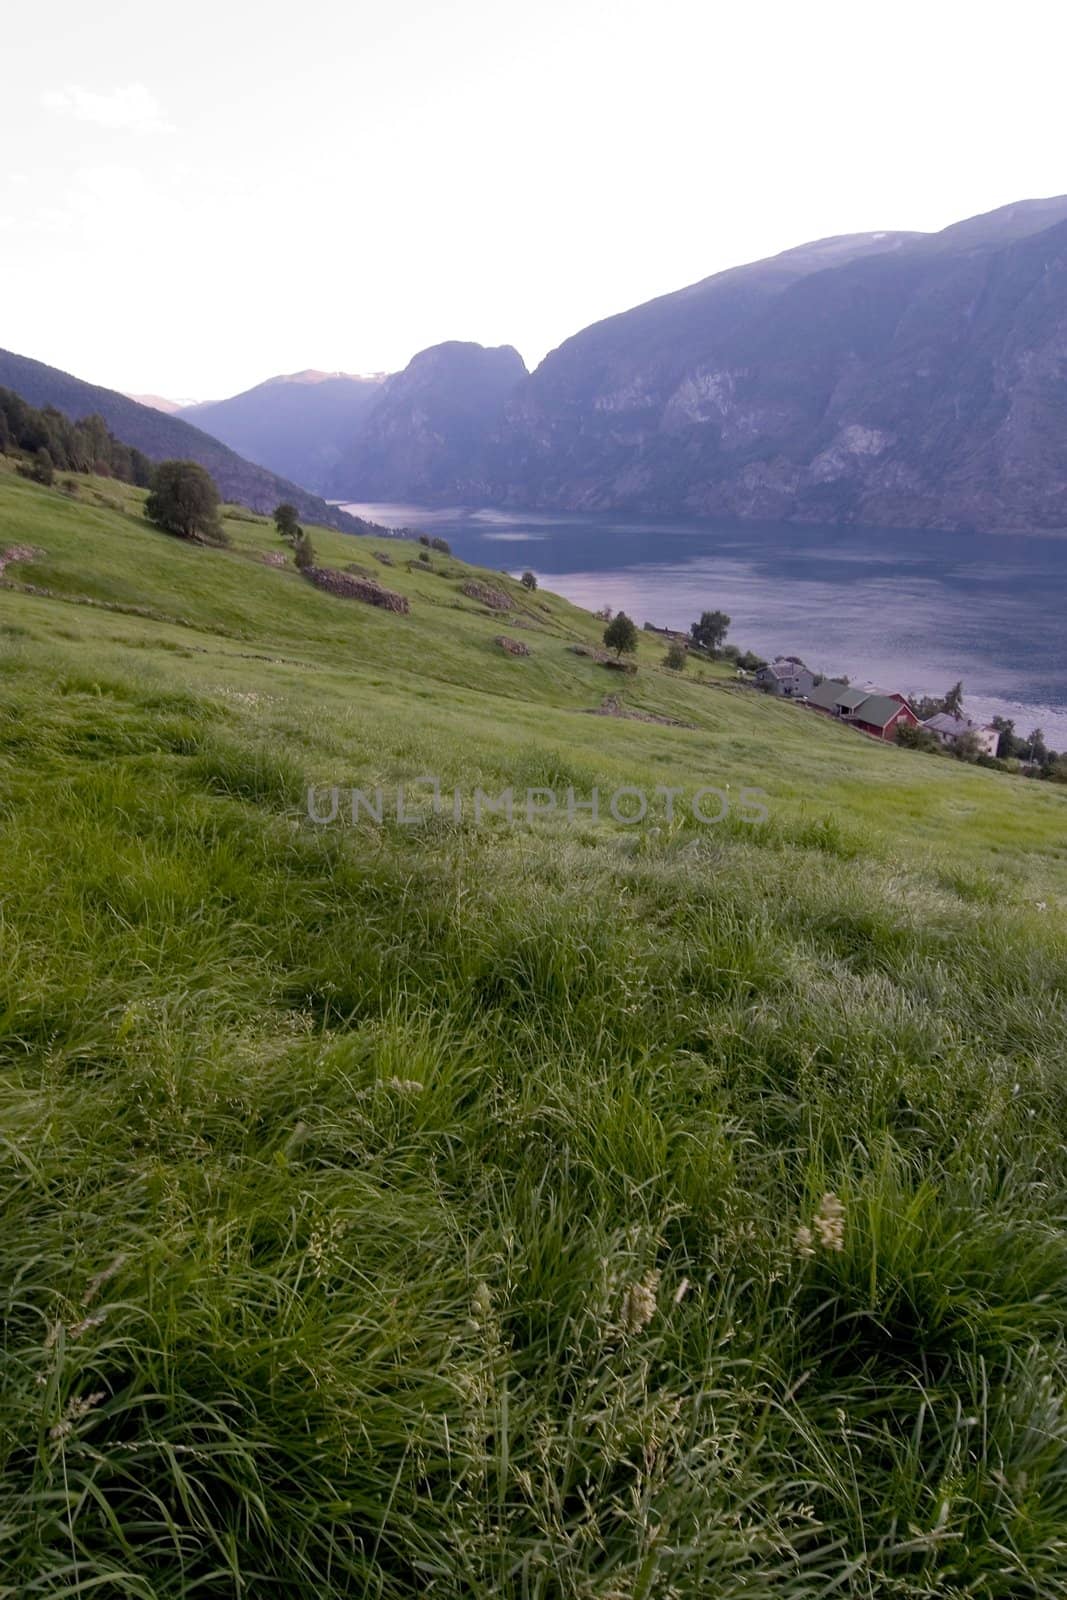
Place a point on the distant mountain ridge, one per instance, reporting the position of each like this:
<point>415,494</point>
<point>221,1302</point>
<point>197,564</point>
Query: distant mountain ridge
<point>161,437</point>
<point>890,378</point>
<point>298,424</point>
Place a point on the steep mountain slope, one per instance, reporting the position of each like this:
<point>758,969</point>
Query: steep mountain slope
<point>162,437</point>
<point>894,378</point>
<point>429,426</point>
<point>891,378</point>
<point>297,425</point>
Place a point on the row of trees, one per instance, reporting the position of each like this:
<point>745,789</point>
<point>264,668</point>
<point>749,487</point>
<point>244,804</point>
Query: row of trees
<point>55,444</point>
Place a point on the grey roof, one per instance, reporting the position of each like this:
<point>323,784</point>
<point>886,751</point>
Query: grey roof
<point>860,704</point>
<point>877,709</point>
<point>832,692</point>
<point>945,722</point>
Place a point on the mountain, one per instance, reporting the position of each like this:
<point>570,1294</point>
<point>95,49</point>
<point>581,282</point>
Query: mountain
<point>162,437</point>
<point>158,402</point>
<point>889,378</point>
<point>297,425</point>
<point>430,424</point>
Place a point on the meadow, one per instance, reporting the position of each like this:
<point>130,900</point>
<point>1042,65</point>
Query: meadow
<point>558,1211</point>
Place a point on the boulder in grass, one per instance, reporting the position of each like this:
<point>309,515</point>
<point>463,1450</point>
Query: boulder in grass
<point>514,647</point>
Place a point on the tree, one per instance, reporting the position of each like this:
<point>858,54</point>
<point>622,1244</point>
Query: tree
<point>710,631</point>
<point>621,634</point>
<point>43,468</point>
<point>442,546</point>
<point>953,701</point>
<point>676,657</point>
<point>303,551</point>
<point>528,581</point>
<point>1034,746</point>
<point>913,736</point>
<point>286,520</point>
<point>966,747</point>
<point>185,501</point>
<point>1008,744</point>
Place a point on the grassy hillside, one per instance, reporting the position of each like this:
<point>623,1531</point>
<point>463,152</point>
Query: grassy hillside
<point>564,1210</point>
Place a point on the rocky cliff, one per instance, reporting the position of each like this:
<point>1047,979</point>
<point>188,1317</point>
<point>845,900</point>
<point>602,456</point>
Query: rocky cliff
<point>889,378</point>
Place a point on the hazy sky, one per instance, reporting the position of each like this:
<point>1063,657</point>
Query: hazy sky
<point>196,196</point>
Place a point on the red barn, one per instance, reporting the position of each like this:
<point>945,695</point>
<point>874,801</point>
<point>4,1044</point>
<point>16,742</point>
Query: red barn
<point>870,710</point>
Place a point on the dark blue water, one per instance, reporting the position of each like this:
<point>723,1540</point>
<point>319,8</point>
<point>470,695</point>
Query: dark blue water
<point>909,610</point>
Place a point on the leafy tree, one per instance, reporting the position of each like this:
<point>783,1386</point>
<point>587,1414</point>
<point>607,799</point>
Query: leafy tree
<point>6,440</point>
<point>43,467</point>
<point>917,738</point>
<point>676,657</point>
<point>1009,744</point>
<point>304,551</point>
<point>966,747</point>
<point>750,661</point>
<point>1034,747</point>
<point>710,631</point>
<point>442,546</point>
<point>424,538</point>
<point>185,501</point>
<point>621,635</point>
<point>953,701</point>
<point>287,520</point>
<point>528,581</point>
<point>929,705</point>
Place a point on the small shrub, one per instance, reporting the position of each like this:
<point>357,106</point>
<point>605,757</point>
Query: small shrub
<point>676,657</point>
<point>528,581</point>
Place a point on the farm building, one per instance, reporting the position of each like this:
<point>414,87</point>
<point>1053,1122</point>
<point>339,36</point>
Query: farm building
<point>872,711</point>
<point>949,728</point>
<point>786,675</point>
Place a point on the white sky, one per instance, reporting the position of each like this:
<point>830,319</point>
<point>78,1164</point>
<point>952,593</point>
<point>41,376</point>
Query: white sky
<point>197,195</point>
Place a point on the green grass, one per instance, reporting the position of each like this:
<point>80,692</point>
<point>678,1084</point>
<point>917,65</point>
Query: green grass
<point>414,1210</point>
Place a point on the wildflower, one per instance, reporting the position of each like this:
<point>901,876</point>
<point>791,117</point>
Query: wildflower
<point>404,1085</point>
<point>681,1291</point>
<point>804,1240</point>
<point>639,1303</point>
<point>482,1303</point>
<point>830,1223</point>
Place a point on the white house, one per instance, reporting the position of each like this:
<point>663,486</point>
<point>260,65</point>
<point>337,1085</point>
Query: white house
<point>949,728</point>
